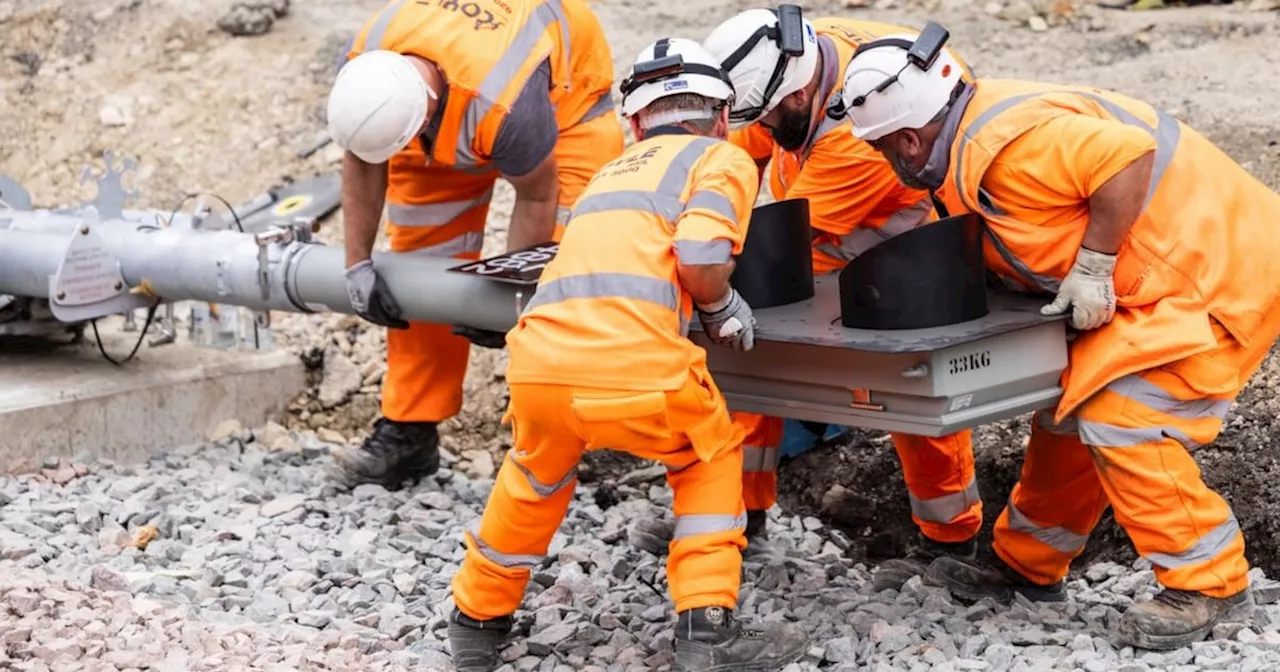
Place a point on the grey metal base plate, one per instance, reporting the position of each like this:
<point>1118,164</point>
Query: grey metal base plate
<point>928,382</point>
<point>817,322</point>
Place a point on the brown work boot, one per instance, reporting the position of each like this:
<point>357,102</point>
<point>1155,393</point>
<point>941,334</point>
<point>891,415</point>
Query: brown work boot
<point>1177,618</point>
<point>474,644</point>
<point>395,452</point>
<point>891,574</point>
<point>970,581</point>
<point>712,640</point>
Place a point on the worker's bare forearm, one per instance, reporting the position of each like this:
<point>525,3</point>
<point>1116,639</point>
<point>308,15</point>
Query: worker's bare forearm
<point>1115,206</point>
<point>707,283</point>
<point>533,221</point>
<point>363,195</point>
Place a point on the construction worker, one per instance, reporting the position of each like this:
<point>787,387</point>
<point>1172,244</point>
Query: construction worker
<point>1162,250</point>
<point>855,201</point>
<point>437,101</point>
<point>601,359</point>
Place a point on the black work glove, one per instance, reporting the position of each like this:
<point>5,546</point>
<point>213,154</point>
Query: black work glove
<point>482,337</point>
<point>370,297</point>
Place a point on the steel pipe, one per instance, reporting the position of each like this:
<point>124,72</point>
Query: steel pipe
<point>226,267</point>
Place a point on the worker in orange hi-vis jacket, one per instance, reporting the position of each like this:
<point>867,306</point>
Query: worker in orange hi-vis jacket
<point>601,359</point>
<point>1163,251</point>
<point>855,202</point>
<point>436,101</point>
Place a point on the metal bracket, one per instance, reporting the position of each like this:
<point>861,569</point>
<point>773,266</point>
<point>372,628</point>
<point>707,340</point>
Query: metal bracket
<point>112,196</point>
<point>88,283</point>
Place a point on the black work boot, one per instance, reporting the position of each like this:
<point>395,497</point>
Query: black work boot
<point>396,451</point>
<point>474,644</point>
<point>891,574</point>
<point>712,640</point>
<point>757,522</point>
<point>1177,618</point>
<point>970,581</point>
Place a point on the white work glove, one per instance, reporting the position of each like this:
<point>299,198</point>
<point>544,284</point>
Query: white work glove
<point>1088,289</point>
<point>729,321</point>
<point>370,297</point>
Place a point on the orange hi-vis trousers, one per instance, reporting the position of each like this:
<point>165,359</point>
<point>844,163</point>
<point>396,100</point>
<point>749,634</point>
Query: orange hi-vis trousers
<point>1127,447</point>
<point>688,430</point>
<point>441,212</point>
<point>938,470</point>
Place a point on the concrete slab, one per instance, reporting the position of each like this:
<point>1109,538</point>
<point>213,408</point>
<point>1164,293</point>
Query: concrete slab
<point>68,401</point>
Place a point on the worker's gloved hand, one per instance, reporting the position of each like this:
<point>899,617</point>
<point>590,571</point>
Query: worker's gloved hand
<point>370,297</point>
<point>729,321</point>
<point>1088,290</point>
<point>482,337</point>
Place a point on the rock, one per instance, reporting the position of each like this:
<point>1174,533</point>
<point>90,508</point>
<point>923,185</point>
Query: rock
<point>544,642</point>
<point>341,379</point>
<point>225,429</point>
<point>282,505</point>
<point>330,436</point>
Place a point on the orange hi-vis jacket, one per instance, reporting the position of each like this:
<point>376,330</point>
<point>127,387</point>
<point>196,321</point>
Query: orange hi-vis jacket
<point>855,198</point>
<point>609,311</point>
<point>487,49</point>
<point>1205,248</point>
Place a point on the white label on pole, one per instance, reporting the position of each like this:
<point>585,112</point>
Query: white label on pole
<point>89,273</point>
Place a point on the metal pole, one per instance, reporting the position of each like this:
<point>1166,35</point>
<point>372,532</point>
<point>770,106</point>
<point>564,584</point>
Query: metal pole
<point>225,267</point>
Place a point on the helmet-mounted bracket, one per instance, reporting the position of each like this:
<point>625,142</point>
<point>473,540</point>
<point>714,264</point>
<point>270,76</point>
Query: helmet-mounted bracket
<point>653,71</point>
<point>922,52</point>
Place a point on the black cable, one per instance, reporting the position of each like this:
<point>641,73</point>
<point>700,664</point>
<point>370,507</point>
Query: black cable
<point>151,313</point>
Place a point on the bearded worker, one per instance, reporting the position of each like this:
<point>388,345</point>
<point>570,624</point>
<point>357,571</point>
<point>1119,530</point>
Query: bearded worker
<point>1163,251</point>
<point>787,71</point>
<point>437,101</point>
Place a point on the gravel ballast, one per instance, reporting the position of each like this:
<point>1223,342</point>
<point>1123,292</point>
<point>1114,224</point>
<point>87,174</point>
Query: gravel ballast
<point>232,556</point>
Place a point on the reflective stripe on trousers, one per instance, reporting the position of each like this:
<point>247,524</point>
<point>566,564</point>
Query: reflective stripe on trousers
<point>517,561</point>
<point>707,523</point>
<point>506,69</point>
<point>946,508</point>
<point>1141,390</point>
<point>1166,134</point>
<point>864,238</point>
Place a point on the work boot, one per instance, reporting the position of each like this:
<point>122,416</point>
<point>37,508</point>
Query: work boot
<point>1177,618</point>
<point>396,451</point>
<point>970,581</point>
<point>475,644</point>
<point>757,522</point>
<point>712,640</point>
<point>891,574</point>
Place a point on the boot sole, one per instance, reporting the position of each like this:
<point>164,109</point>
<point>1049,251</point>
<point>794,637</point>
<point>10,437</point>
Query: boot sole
<point>412,473</point>
<point>1002,595</point>
<point>1128,635</point>
<point>771,665</point>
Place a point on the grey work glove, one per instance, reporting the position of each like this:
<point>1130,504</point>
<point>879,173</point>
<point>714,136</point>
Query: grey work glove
<point>1088,291</point>
<point>729,321</point>
<point>370,297</point>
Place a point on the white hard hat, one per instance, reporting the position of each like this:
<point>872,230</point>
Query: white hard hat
<point>377,105</point>
<point>749,47</point>
<point>673,66</point>
<point>885,92</point>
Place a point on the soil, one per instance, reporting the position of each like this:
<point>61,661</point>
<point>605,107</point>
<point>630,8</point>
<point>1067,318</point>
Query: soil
<point>202,109</point>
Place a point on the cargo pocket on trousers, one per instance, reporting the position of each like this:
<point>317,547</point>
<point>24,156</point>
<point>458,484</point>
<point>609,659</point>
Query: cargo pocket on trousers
<point>622,422</point>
